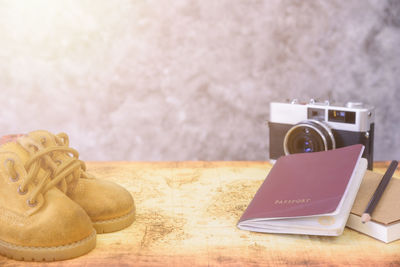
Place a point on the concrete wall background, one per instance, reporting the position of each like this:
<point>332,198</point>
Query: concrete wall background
<point>192,80</point>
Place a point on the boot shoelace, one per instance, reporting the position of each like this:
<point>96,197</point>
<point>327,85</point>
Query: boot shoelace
<point>33,165</point>
<point>62,139</point>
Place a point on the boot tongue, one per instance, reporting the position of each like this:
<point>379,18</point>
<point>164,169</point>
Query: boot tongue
<point>9,143</point>
<point>43,137</point>
<point>47,139</point>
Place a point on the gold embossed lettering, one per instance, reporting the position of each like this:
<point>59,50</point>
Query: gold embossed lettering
<point>292,201</point>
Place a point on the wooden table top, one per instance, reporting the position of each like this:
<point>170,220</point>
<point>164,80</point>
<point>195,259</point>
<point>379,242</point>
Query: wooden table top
<point>187,214</point>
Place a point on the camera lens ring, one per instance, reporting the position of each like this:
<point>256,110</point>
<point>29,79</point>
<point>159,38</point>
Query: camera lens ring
<point>328,130</point>
<point>300,125</point>
<point>322,130</point>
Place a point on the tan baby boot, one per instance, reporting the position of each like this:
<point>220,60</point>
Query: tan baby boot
<point>109,206</point>
<point>38,222</point>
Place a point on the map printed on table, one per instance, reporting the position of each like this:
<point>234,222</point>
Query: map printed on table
<point>187,214</point>
<point>177,206</point>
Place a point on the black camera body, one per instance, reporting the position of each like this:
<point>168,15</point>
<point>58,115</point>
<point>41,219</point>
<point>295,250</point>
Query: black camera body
<point>301,128</point>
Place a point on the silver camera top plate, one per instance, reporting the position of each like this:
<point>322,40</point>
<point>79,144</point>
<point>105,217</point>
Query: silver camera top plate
<point>335,116</point>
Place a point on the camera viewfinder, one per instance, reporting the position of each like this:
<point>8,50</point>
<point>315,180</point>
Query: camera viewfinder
<point>316,114</point>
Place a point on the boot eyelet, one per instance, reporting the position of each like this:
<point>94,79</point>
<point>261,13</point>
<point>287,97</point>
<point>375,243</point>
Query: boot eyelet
<point>43,140</point>
<point>31,204</point>
<point>21,192</point>
<point>14,179</point>
<point>12,161</point>
<point>34,147</point>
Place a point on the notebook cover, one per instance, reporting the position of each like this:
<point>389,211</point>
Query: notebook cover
<point>305,184</point>
<point>387,210</point>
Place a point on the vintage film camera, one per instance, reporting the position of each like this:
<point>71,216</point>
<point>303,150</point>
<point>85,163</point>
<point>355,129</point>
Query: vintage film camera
<point>298,128</point>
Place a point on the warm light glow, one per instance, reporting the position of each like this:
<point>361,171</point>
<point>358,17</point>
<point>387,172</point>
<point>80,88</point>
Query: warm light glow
<point>50,29</point>
<point>46,37</point>
<point>36,21</point>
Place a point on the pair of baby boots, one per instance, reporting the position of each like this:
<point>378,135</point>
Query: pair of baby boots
<point>50,207</point>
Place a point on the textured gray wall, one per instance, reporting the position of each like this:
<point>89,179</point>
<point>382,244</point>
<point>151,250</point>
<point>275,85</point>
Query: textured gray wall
<point>192,80</point>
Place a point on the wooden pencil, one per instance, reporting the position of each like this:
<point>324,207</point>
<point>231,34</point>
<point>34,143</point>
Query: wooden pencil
<point>379,191</point>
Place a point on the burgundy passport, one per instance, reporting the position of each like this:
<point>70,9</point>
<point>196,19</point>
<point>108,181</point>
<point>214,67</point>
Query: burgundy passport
<point>306,184</point>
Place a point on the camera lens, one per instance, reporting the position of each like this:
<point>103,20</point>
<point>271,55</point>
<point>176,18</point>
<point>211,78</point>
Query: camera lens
<point>308,136</point>
<point>304,139</point>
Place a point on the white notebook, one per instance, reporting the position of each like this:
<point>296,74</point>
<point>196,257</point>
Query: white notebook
<point>385,219</point>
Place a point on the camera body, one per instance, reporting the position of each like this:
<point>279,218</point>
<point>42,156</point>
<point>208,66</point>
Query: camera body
<point>310,127</point>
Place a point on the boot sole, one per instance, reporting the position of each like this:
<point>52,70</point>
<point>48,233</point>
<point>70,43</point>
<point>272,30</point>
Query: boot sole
<point>115,224</point>
<point>57,253</point>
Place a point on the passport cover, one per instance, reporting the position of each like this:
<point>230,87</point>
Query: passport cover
<point>304,185</point>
